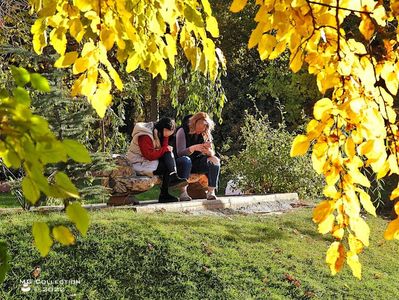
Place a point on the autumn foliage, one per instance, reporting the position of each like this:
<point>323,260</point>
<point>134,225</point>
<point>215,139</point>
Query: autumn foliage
<point>355,128</point>
<point>143,34</point>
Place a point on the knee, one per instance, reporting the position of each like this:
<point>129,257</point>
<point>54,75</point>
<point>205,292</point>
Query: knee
<point>184,160</point>
<point>214,160</point>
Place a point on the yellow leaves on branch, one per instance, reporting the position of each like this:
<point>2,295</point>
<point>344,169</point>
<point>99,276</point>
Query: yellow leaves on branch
<point>355,128</point>
<point>144,34</point>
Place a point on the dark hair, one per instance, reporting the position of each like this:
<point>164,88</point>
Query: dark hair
<point>164,123</point>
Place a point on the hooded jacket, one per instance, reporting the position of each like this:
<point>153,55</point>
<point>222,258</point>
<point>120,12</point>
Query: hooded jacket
<point>140,164</point>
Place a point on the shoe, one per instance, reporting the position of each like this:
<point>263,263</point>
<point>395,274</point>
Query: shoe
<point>185,197</point>
<point>166,198</point>
<point>176,181</point>
<point>211,196</point>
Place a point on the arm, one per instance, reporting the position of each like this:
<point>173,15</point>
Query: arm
<point>147,148</point>
<point>181,145</point>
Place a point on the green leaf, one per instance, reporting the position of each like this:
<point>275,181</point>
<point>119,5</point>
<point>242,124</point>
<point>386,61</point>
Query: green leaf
<point>22,95</point>
<point>76,151</point>
<point>21,75</point>
<point>41,234</point>
<point>39,82</point>
<point>30,189</point>
<point>51,152</point>
<point>35,170</point>
<point>11,159</point>
<point>63,235</point>
<point>4,261</point>
<point>77,214</point>
<point>64,184</point>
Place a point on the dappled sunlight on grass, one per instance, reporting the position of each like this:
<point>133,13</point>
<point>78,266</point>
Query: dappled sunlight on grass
<point>180,256</point>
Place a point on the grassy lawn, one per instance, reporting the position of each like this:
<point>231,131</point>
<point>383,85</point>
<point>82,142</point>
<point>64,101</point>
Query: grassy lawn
<point>176,256</point>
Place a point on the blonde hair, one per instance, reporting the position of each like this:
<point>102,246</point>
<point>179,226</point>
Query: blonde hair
<point>210,125</point>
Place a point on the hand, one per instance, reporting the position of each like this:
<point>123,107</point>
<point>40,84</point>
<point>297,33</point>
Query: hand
<point>207,145</point>
<point>170,148</point>
<point>197,147</point>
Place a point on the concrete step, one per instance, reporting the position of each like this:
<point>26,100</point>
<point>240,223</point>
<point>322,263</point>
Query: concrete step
<point>266,203</point>
<point>269,203</point>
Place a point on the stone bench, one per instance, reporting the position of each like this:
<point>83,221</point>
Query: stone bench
<point>124,182</point>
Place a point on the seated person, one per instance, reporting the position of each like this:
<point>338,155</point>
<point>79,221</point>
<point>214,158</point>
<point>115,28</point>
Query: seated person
<point>195,152</point>
<point>150,153</point>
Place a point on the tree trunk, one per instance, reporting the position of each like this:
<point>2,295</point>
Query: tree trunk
<point>154,105</point>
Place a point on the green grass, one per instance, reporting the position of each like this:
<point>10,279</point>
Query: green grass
<point>7,200</point>
<point>175,256</point>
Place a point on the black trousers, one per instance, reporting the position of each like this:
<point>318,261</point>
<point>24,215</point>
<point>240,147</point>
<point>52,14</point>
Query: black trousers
<point>166,166</point>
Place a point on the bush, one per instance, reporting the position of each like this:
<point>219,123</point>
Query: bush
<point>265,165</point>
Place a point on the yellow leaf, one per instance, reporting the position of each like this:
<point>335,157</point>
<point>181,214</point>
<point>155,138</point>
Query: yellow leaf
<point>358,177</point>
<point>41,234</point>
<point>80,65</point>
<point>366,27</point>
<point>133,62</point>
<point>327,224</point>
<point>392,231</point>
<point>330,191</point>
<point>355,245</point>
<point>350,147</point>
<point>107,37</point>
<point>365,200</point>
<point>256,36</point>
<point>100,101</point>
<point>395,194</point>
<point>77,86</point>
<point>212,26</point>
<point>238,5</point>
<point>393,164</point>
<point>353,261</point>
<point>39,35</point>
<point>361,229</point>
<point>66,60</point>
<point>115,77</point>
<point>335,257</point>
<point>280,48</point>
<point>266,45</point>
<point>90,83</point>
<point>207,7</point>
<point>322,211</point>
<point>300,145</point>
<point>83,5</point>
<point>322,107</point>
<point>63,235</point>
<point>58,40</point>
<point>338,233</point>
<point>296,60</point>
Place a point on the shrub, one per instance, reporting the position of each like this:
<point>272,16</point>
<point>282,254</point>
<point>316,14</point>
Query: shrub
<point>265,165</point>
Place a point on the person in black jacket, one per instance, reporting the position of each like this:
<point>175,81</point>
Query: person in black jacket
<point>194,147</point>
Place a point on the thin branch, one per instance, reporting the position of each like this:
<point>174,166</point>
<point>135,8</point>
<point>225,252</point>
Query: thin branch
<point>341,8</point>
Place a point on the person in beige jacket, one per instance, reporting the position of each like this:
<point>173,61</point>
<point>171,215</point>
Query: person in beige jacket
<point>150,154</point>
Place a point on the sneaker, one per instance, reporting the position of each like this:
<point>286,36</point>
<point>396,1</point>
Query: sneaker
<point>176,181</point>
<point>185,197</point>
<point>166,198</point>
<point>211,196</point>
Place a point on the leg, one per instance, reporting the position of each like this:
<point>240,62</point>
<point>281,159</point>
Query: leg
<point>183,170</point>
<point>211,167</point>
<point>213,176</point>
<point>184,166</point>
<point>167,167</point>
